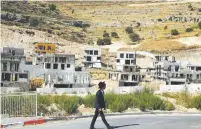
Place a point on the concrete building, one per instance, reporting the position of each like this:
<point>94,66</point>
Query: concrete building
<point>64,62</point>
<point>12,72</point>
<point>92,57</point>
<point>127,72</point>
<point>67,79</point>
<point>58,71</point>
<point>167,69</point>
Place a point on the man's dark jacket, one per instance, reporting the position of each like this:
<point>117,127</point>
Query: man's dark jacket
<point>100,102</point>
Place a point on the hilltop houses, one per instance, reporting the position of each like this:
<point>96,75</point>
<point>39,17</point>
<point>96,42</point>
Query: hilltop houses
<point>59,70</point>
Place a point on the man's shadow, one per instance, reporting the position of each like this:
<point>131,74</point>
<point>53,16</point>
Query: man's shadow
<point>115,127</point>
<point>124,125</point>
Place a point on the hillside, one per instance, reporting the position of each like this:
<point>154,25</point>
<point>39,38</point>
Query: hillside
<point>78,23</point>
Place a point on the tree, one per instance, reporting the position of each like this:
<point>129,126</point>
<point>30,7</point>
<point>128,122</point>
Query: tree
<point>199,25</point>
<point>52,7</point>
<point>107,41</point>
<point>114,34</point>
<point>190,6</point>
<point>174,32</point>
<point>134,37</point>
<point>189,30</point>
<point>100,42</point>
<point>105,34</point>
<point>34,22</point>
<point>129,30</point>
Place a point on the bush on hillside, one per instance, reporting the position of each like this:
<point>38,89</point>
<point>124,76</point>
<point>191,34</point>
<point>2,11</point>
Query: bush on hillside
<point>199,25</point>
<point>34,22</point>
<point>114,35</point>
<point>189,29</point>
<point>134,37</point>
<point>174,32</point>
<point>196,102</point>
<point>100,42</point>
<point>52,7</point>
<point>107,41</point>
<point>105,34</point>
<point>129,30</point>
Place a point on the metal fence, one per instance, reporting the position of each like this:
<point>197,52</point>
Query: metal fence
<point>19,104</point>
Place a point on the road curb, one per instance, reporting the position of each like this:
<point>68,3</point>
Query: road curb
<point>50,119</point>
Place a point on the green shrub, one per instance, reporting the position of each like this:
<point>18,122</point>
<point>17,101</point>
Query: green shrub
<point>52,7</point>
<point>45,100</point>
<point>34,22</point>
<point>189,30</point>
<point>107,41</point>
<point>199,25</point>
<point>114,35</point>
<point>129,30</point>
<point>196,102</point>
<point>118,105</point>
<point>169,106</point>
<point>105,34</point>
<point>134,37</point>
<point>89,101</point>
<point>174,32</point>
<point>100,42</point>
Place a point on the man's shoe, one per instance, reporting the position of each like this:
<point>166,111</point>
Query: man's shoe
<point>92,128</point>
<point>110,127</point>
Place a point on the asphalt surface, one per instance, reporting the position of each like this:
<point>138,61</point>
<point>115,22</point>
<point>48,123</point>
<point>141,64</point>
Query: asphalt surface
<point>129,122</point>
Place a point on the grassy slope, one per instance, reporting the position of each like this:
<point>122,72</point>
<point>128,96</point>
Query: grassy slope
<point>103,14</point>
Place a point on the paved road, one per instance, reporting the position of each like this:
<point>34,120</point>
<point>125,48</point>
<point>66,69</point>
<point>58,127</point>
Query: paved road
<point>130,122</point>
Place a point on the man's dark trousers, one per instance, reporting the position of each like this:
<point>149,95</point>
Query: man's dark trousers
<point>95,117</point>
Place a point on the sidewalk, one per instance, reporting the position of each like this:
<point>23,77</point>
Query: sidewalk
<point>24,121</point>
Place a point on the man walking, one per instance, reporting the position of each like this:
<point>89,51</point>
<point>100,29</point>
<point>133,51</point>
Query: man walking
<point>100,105</point>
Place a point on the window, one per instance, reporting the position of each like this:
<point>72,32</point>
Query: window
<point>131,55</point>
<point>68,65</point>
<point>91,52</point>
<point>98,58</point>
<point>41,47</point>
<point>118,60</point>
<point>127,55</point>
<point>49,48</point>
<point>4,67</point>
<point>48,66</point>
<point>177,68</point>
<point>197,76</point>
<point>39,59</point>
<point>127,62</point>
<point>88,58</point>
<point>23,76</point>
<point>62,66</point>
<point>124,77</point>
<point>87,51</point>
<point>13,52</point>
<point>95,52</point>
<point>55,66</point>
<point>121,55</point>
<point>134,78</point>
<point>16,66</point>
<point>56,59</point>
